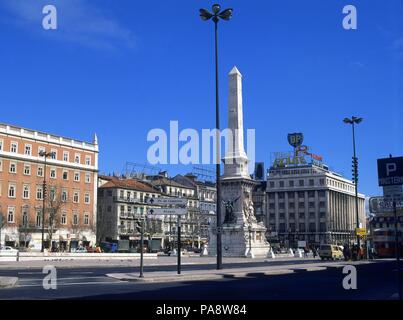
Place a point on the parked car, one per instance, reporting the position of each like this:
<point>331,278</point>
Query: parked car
<point>81,250</point>
<point>7,249</point>
<point>330,252</point>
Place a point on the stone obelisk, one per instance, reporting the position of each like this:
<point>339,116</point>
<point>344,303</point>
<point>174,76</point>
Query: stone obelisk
<point>242,235</point>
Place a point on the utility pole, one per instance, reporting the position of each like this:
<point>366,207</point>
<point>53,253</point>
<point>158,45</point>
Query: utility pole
<point>397,249</point>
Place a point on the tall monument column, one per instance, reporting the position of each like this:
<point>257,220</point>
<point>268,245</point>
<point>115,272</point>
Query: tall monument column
<point>235,160</point>
<point>241,234</point>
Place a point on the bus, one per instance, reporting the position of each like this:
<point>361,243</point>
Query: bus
<point>384,242</point>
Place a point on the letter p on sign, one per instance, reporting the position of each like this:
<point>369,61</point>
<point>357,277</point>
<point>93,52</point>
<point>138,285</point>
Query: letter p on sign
<point>390,167</point>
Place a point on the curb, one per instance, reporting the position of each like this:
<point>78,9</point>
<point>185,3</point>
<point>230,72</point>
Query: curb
<point>195,277</point>
<point>8,282</point>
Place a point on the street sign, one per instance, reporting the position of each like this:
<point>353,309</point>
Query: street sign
<point>393,192</point>
<point>383,205</point>
<point>360,232</point>
<point>390,171</point>
<point>166,211</point>
<point>167,201</point>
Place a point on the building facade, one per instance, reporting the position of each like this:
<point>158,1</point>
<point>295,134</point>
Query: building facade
<point>310,203</point>
<point>71,189</point>
<point>121,204</point>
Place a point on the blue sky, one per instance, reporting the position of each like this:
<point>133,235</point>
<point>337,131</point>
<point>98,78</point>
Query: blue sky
<point>122,68</point>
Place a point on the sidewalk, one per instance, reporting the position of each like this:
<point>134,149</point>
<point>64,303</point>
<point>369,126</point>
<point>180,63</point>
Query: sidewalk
<point>198,275</point>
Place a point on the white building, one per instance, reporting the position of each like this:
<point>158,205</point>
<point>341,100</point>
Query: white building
<point>310,203</point>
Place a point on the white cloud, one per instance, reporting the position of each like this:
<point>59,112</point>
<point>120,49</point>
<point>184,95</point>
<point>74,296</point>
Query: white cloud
<point>78,22</point>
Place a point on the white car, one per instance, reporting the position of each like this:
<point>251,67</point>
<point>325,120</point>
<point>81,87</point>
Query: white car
<point>8,249</point>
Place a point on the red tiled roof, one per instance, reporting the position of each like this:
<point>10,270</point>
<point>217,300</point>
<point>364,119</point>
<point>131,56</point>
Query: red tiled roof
<point>131,184</point>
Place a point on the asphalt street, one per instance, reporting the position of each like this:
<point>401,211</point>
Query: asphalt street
<point>375,281</point>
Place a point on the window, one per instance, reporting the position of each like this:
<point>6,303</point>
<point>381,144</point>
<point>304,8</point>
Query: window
<point>13,147</point>
<point>311,194</point>
<point>321,193</point>
<point>13,167</point>
<point>40,172</point>
<point>271,184</point>
<point>301,183</point>
<point>86,219</point>
<point>311,182</point>
<point>25,192</point>
<point>311,205</point>
<point>322,182</point>
<point>281,184</point>
<point>64,195</point>
<point>65,156</point>
<point>322,204</point>
<point>52,193</point>
<point>53,173</point>
<point>312,227</point>
<point>109,209</point>
<point>88,160</point>
<point>39,193</point>
<point>1,165</point>
<point>65,175</point>
<point>291,205</point>
<point>75,219</point>
<point>77,158</point>
<point>40,150</point>
<point>11,191</point>
<point>322,227</point>
<point>25,217</point>
<point>1,145</point>
<point>27,169</point>
<point>54,154</point>
<point>63,219</point>
<point>76,197</point>
<point>291,183</point>
<point>10,214</point>
<point>301,194</point>
<point>302,227</point>
<point>28,149</point>
<point>39,219</point>
<point>281,195</point>
<point>87,178</point>
<point>281,205</point>
<point>77,176</point>
<point>87,198</point>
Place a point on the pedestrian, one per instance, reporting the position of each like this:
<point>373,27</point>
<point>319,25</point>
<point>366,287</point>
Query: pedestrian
<point>314,253</point>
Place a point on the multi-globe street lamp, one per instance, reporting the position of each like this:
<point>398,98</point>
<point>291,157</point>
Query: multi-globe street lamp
<point>216,16</point>
<point>353,121</point>
<point>45,155</point>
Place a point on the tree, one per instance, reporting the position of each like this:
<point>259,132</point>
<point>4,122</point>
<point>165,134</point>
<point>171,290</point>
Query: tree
<point>54,204</point>
<point>2,223</point>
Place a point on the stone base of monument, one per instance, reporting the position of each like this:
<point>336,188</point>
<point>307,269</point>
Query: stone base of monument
<point>235,242</point>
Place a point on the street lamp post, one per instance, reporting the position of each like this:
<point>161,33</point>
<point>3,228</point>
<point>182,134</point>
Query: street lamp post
<point>216,16</point>
<point>353,121</point>
<point>45,155</point>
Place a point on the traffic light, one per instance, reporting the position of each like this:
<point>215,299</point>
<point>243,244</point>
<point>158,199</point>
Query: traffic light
<point>139,226</point>
<point>44,190</point>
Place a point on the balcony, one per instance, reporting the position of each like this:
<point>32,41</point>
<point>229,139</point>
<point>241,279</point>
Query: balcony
<point>128,200</point>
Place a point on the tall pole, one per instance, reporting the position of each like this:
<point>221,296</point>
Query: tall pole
<point>141,248</point>
<point>179,244</point>
<point>218,152</point>
<point>356,186</point>
<point>397,249</point>
<point>43,205</point>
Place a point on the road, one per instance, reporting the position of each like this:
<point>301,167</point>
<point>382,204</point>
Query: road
<point>375,281</point>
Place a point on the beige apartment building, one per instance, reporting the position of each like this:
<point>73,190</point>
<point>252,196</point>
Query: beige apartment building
<point>71,195</point>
